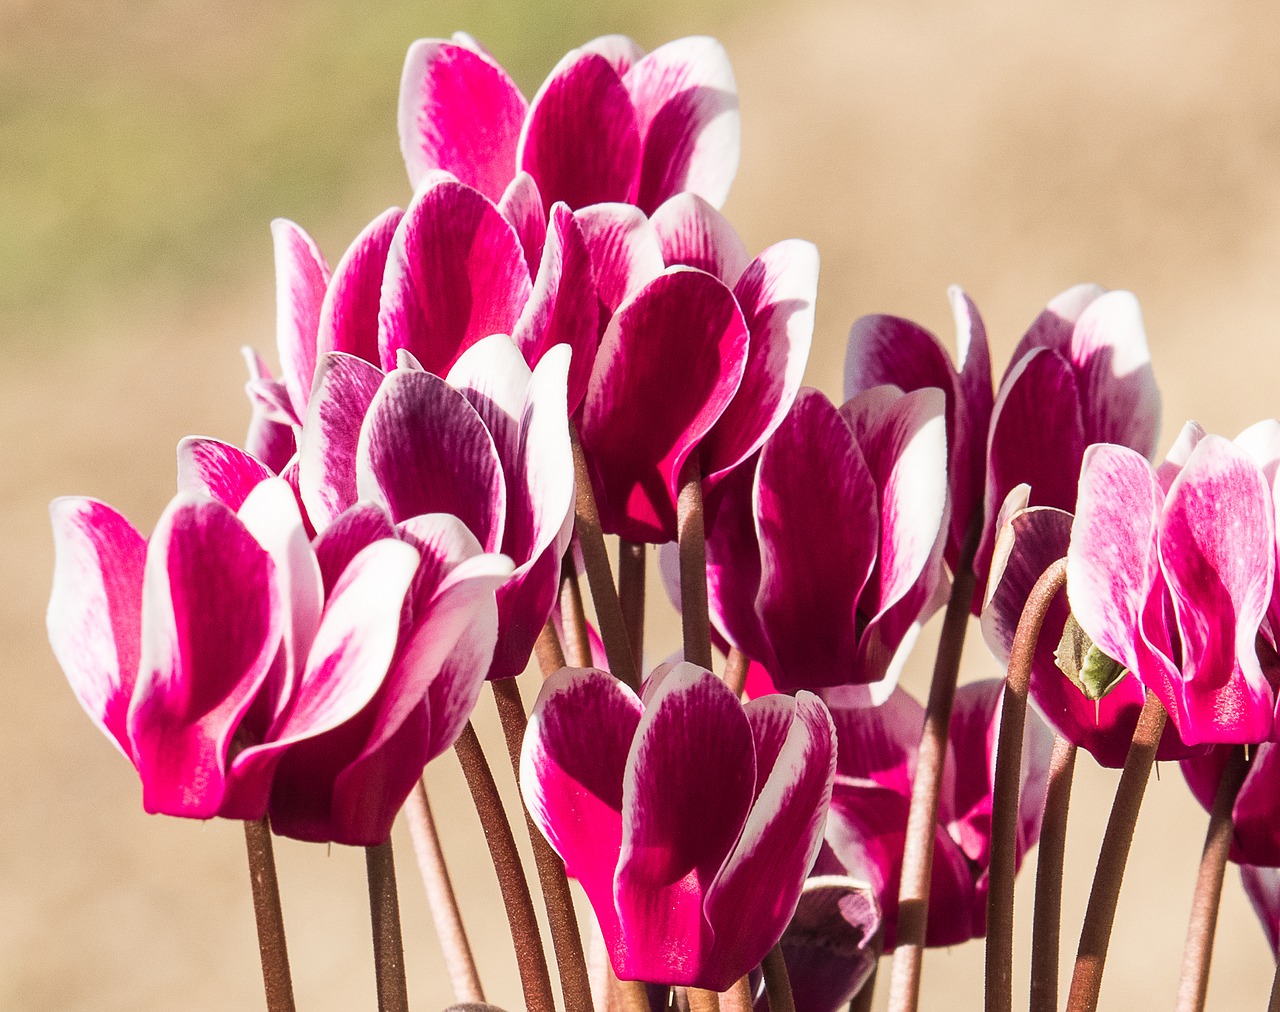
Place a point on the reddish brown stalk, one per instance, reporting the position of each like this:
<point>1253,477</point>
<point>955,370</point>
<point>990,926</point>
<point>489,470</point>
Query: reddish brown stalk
<point>577,641</point>
<point>535,978</point>
<point>547,650</point>
<point>738,997</point>
<point>1047,920</point>
<point>277,982</point>
<point>1194,983</point>
<point>1100,915</point>
<point>604,594</point>
<point>702,1001</point>
<point>631,567</point>
<point>1273,1005</point>
<point>384,913</point>
<point>735,670</point>
<point>458,959</point>
<point>632,996</point>
<point>922,816</point>
<point>695,619</point>
<point>777,984</point>
<point>566,940</point>
<point>1008,785</point>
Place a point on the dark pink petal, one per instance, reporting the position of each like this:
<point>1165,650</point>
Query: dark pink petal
<point>580,140</point>
<point>680,343</point>
<point>349,313</point>
<point>1262,886</point>
<point>879,743</point>
<point>219,470</point>
<point>211,625</point>
<point>686,107</point>
<point>345,387</point>
<point>816,518</point>
<point>94,617</point>
<point>756,892</point>
<point>455,273</point>
<point>522,206</point>
<point>459,111</point>
<point>625,252</point>
<point>1056,324</point>
<point>770,718</point>
<point>776,294</point>
<point>1119,398</point>
<point>686,795</point>
<point>423,449</point>
<point>270,435</point>
<point>301,279</point>
<point>1217,538</point>
<point>695,234</point>
<point>351,531</point>
<point>621,52</point>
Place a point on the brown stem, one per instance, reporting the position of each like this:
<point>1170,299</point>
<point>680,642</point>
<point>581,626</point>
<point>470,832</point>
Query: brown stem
<point>1008,785</point>
<point>577,640</point>
<point>1047,919</point>
<point>738,997</point>
<point>384,912</point>
<point>1100,915</point>
<point>277,981</point>
<point>604,594</point>
<point>458,959</point>
<point>702,1001</point>
<point>547,650</point>
<point>575,985</point>
<point>631,567</point>
<point>1273,1005</point>
<point>922,816</point>
<point>695,619</point>
<point>535,978</point>
<point>632,996</point>
<point>777,984</point>
<point>735,670</point>
<point>1194,983</point>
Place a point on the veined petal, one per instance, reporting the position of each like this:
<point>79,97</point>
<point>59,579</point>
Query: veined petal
<point>219,470</point>
<point>351,532</point>
<point>1119,398</point>
<point>625,252</point>
<point>349,313</point>
<point>522,206</point>
<point>270,435</point>
<point>301,279</point>
<point>1179,453</point>
<point>461,112</point>
<point>693,233</point>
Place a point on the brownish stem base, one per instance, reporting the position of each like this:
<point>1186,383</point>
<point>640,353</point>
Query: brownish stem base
<point>277,981</point>
<point>384,913</point>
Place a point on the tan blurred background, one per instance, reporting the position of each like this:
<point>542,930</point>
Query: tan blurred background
<point>1014,148</point>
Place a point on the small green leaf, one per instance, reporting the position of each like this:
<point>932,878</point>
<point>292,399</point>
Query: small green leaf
<point>1092,671</point>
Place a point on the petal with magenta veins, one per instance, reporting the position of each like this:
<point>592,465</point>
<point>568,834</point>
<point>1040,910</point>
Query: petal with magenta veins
<point>522,206</point>
<point>349,313</point>
<point>693,233</point>
<point>301,279</point>
<point>219,470</point>
<point>353,530</point>
<point>626,253</point>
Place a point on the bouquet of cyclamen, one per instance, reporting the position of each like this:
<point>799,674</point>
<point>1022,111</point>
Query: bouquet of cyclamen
<point>561,338</point>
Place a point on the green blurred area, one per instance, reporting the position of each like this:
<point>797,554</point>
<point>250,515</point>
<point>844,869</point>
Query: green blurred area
<point>146,145</point>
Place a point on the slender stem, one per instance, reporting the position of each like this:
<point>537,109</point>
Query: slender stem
<point>695,619</point>
<point>735,670</point>
<point>1273,1005</point>
<point>631,567</point>
<point>1047,920</point>
<point>548,651</point>
<point>632,996</point>
<point>738,997</point>
<point>604,594</point>
<point>777,984</point>
<point>577,640</point>
<point>1194,984</point>
<point>277,982</point>
<point>535,978</point>
<point>702,1001</point>
<point>1008,785</point>
<point>575,985</point>
<point>1091,956</point>
<point>384,912</point>
<point>458,959</point>
<point>922,816</point>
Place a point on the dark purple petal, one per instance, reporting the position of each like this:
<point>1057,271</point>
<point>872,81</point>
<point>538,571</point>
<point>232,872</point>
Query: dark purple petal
<point>1056,324</point>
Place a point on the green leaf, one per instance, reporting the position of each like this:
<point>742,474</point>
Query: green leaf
<point>1092,671</point>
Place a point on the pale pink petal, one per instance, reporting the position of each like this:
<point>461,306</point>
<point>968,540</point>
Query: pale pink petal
<point>349,313</point>
<point>301,278</point>
<point>625,252</point>
<point>1176,459</point>
<point>695,234</point>
<point>219,470</point>
<point>1119,398</point>
<point>522,206</point>
<point>621,52</point>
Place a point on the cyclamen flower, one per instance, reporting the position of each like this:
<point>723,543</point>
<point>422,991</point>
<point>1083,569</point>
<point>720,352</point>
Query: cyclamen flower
<point>690,820</point>
<point>610,123</point>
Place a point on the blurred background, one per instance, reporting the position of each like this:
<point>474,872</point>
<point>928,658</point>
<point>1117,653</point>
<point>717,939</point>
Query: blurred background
<point>144,146</point>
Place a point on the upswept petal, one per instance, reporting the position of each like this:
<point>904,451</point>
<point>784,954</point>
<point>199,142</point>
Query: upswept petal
<point>686,109</point>
<point>1113,372</point>
<point>522,206</point>
<point>625,252</point>
<point>351,531</point>
<point>459,111</point>
<point>621,52</point>
<point>733,563</point>
<point>301,278</point>
<point>219,470</point>
<point>456,272</point>
<point>1179,453</point>
<point>693,233</point>
<point>879,743</point>
<point>349,314</point>
<point>1056,324</point>
<point>95,607</point>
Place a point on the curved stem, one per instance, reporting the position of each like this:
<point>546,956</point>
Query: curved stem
<point>458,959</point>
<point>922,816</point>
<point>384,913</point>
<point>547,650</point>
<point>738,997</point>
<point>535,978</point>
<point>277,981</point>
<point>1193,986</point>
<point>632,996</point>
<point>631,567</point>
<point>777,984</point>
<point>702,1001</point>
<point>695,618</point>
<point>1008,785</point>
<point>577,640</point>
<point>735,670</point>
<point>1047,919</point>
<point>566,940</point>
<point>1100,915</point>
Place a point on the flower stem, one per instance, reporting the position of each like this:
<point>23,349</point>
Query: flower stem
<point>735,670</point>
<point>738,997</point>
<point>577,640</point>
<point>922,816</point>
<point>777,984</point>
<point>1100,915</point>
<point>691,532</point>
<point>440,897</point>
<point>702,1001</point>
<point>535,978</point>
<point>631,567</point>
<point>632,996</point>
<point>1047,919</point>
<point>547,650</point>
<point>1008,785</point>
<point>384,913</point>
<point>1194,983</point>
<point>1273,1005</point>
<point>604,594</point>
<point>277,981</point>
<point>566,940</point>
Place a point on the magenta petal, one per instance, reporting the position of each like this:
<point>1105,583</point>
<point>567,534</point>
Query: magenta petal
<point>211,625</point>
<point>218,470</point>
<point>580,140</point>
<point>879,743</point>
<point>686,795</point>
<point>1056,324</point>
<point>455,273</point>
<point>686,107</point>
<point>349,314</point>
<point>621,52</point>
<point>270,435</point>
<point>301,279</point>
<point>625,252</point>
<point>695,234</point>
<point>522,206</point>
<point>351,531</point>
<point>733,563</point>
<point>1262,886</point>
<point>459,111</point>
<point>685,317</point>
<point>94,617</point>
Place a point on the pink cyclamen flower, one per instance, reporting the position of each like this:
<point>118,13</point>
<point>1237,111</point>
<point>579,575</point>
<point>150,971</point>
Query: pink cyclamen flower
<point>1172,573</point>
<point>824,554</point>
<point>610,123</point>
<point>872,794</point>
<point>690,820</point>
